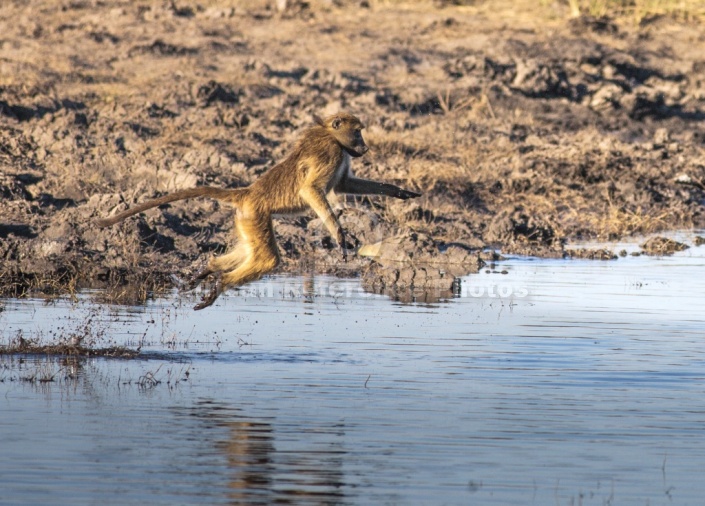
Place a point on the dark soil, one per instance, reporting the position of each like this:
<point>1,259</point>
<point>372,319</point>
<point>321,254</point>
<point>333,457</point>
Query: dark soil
<point>523,129</point>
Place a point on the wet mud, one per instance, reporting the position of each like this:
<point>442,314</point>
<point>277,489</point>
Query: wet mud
<point>523,131</point>
<point>660,246</point>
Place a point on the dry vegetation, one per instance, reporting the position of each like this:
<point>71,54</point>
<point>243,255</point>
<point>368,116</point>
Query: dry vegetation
<point>640,10</point>
<point>524,124</point>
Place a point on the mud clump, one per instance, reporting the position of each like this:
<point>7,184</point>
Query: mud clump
<point>662,246</point>
<point>520,233</point>
<point>415,268</point>
<point>522,130</point>
<point>593,254</point>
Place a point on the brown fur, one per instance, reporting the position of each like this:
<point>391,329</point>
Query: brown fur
<point>318,164</point>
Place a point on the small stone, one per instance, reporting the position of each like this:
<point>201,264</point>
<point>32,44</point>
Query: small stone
<point>661,136</point>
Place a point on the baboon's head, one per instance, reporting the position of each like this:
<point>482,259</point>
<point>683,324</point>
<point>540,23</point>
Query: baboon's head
<point>347,130</point>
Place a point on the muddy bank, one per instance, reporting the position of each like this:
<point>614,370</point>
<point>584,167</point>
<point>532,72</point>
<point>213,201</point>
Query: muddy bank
<point>522,130</point>
<point>27,348</point>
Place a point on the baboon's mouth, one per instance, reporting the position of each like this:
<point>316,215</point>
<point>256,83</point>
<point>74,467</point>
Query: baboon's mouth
<point>357,151</point>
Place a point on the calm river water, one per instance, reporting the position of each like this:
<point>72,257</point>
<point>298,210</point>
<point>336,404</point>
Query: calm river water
<point>560,382</point>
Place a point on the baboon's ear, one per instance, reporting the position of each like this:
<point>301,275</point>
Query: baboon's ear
<point>336,123</point>
<point>318,120</point>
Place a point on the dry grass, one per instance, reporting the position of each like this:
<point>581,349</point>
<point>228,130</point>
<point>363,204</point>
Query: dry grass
<point>638,10</point>
<point>617,221</point>
<point>18,284</point>
<point>439,151</point>
<point>81,342</point>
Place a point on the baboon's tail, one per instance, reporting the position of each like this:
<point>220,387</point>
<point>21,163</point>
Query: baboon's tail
<point>228,195</point>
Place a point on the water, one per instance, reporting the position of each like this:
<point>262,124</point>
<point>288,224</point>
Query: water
<point>561,382</point>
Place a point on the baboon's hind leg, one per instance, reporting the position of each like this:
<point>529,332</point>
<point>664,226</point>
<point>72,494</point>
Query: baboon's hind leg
<point>223,263</point>
<point>197,278</point>
<point>226,262</point>
<point>213,294</point>
<point>260,253</point>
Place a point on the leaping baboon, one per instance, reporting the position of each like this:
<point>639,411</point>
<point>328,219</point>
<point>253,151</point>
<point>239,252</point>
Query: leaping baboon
<point>319,164</point>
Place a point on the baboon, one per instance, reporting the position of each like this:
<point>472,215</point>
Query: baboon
<point>319,164</point>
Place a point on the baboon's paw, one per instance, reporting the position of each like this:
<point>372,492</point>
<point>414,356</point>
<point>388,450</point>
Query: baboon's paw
<point>206,301</point>
<point>215,291</point>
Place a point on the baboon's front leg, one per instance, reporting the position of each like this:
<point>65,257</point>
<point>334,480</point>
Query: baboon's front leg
<point>317,201</point>
<point>357,186</point>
